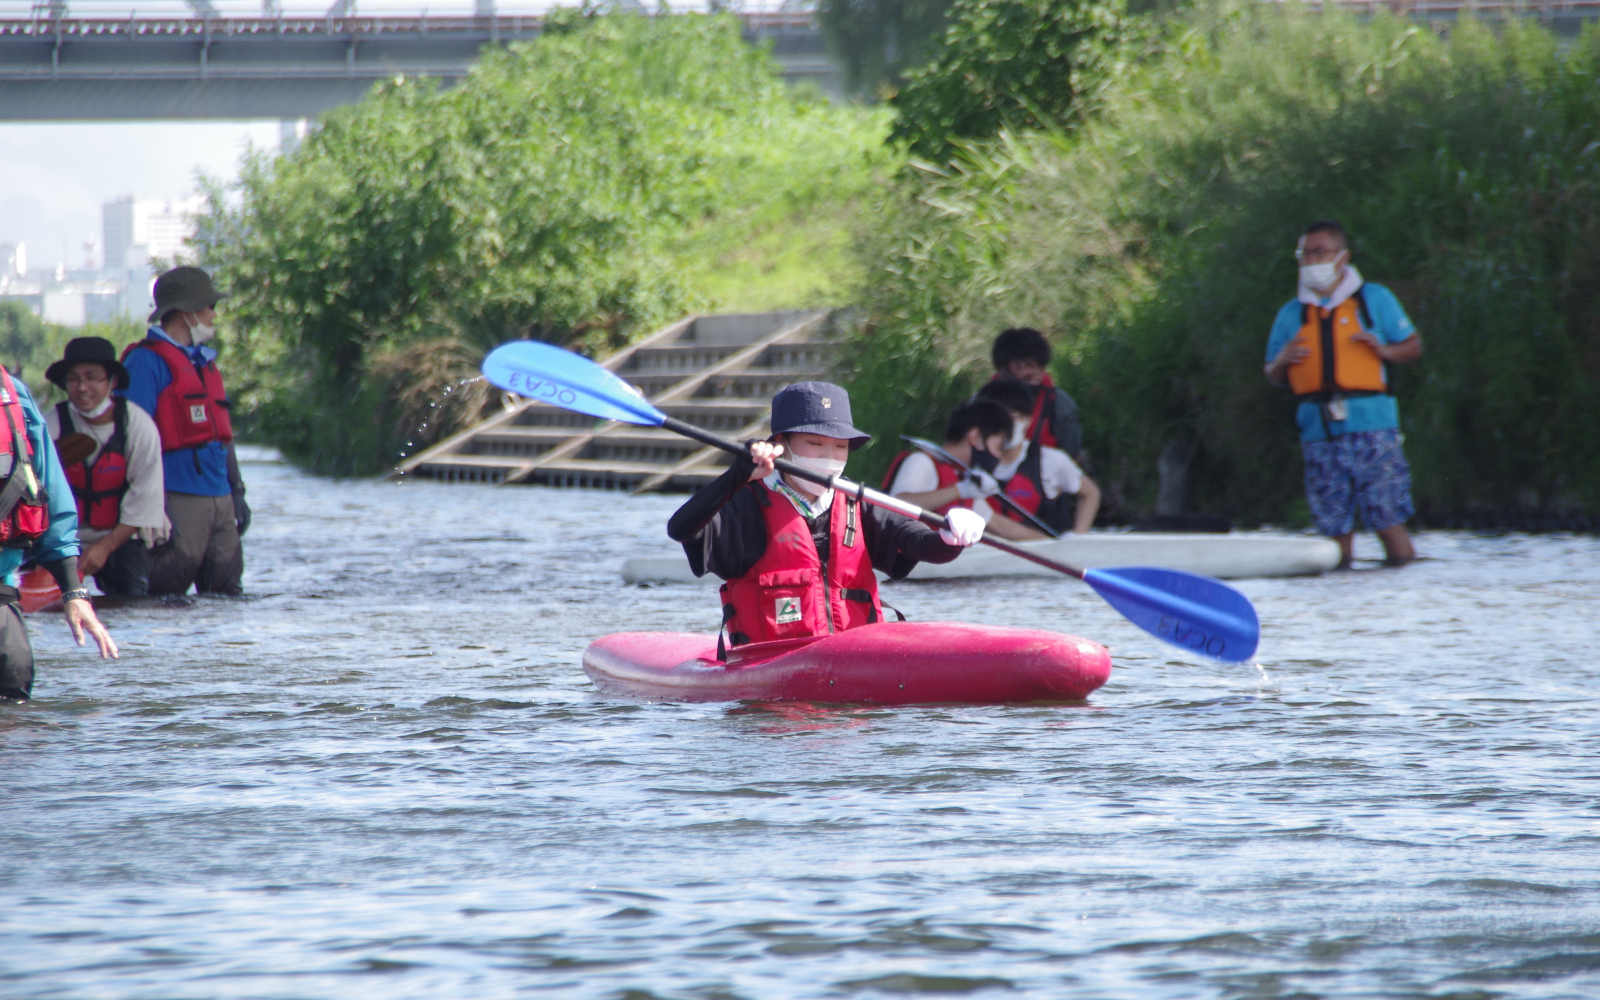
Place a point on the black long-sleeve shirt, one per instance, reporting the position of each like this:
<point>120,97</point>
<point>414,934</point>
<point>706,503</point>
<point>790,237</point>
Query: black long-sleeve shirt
<point>723,532</point>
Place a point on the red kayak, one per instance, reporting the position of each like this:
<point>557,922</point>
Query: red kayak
<point>891,663</point>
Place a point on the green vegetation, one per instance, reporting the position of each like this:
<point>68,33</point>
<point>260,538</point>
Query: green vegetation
<point>1009,65</point>
<point>581,189</point>
<point>877,41</point>
<point>29,345</point>
<point>1153,243</point>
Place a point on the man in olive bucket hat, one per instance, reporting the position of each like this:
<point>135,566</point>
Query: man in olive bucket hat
<point>172,375</point>
<point>112,454</point>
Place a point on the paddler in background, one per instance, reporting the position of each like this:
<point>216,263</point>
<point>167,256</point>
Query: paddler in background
<point>974,435</point>
<point>798,558</point>
<point>1022,353</point>
<point>1042,480</point>
<point>38,520</point>
<point>173,376</point>
<point>112,455</point>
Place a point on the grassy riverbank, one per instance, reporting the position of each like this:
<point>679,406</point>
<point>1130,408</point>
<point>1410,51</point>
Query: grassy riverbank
<point>582,189</point>
<point>1153,244</point>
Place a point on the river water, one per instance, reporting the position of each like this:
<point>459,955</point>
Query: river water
<point>384,774</point>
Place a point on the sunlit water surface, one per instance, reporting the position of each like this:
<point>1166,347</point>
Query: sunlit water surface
<point>384,774</point>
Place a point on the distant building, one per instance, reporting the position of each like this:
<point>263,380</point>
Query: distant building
<point>13,261</point>
<point>135,230</point>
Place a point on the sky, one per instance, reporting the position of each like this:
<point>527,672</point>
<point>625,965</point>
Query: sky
<point>55,176</point>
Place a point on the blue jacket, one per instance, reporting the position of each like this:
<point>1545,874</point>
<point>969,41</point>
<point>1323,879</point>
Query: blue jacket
<point>61,538</point>
<point>202,470</point>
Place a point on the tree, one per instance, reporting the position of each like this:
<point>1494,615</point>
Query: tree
<point>879,40</point>
<point>1008,64</point>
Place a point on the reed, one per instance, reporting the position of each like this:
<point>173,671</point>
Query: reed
<point>1153,243</point>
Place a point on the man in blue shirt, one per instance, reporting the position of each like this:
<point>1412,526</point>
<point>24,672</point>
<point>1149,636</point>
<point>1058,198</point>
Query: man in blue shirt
<point>173,376</point>
<point>56,549</point>
<point>1332,346</point>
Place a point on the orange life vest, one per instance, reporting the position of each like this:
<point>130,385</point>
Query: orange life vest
<point>949,475</point>
<point>1337,364</point>
<point>791,591</point>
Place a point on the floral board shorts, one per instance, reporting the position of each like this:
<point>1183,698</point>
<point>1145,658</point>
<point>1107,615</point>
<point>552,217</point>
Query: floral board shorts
<point>1365,470</point>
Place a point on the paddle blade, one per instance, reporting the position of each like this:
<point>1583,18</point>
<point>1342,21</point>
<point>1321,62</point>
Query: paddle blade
<point>546,373</point>
<point>1195,612</point>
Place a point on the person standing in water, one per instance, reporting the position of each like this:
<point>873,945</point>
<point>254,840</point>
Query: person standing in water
<point>1332,346</point>
<point>39,521</point>
<point>112,455</point>
<point>173,377</point>
<point>798,558</point>
<point>1022,353</point>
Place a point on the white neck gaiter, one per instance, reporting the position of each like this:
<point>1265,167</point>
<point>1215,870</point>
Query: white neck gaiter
<point>105,404</point>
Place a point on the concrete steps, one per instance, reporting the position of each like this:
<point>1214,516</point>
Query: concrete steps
<point>716,372</point>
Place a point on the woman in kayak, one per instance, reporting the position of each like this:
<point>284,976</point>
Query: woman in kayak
<point>798,558</point>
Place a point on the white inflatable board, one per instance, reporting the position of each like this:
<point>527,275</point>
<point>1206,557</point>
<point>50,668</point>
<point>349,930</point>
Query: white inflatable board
<point>1227,557</point>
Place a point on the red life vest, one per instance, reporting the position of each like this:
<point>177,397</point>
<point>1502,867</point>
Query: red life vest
<point>1042,426</point>
<point>789,593</point>
<point>22,497</point>
<point>193,409</point>
<point>99,486</point>
<point>1025,487</point>
<point>949,475</point>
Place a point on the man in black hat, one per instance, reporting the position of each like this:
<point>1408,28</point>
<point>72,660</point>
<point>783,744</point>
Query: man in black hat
<point>173,376</point>
<point>112,455</point>
<point>798,557</point>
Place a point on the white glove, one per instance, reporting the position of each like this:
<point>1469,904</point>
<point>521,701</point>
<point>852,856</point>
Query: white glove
<point>962,527</point>
<point>977,484</point>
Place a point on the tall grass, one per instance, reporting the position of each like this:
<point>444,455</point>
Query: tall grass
<point>1153,244</point>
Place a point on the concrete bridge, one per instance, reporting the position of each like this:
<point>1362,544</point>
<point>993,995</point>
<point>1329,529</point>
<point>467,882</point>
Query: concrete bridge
<point>55,66</point>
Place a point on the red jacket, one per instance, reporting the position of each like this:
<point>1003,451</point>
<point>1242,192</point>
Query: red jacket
<point>26,509</point>
<point>193,409</point>
<point>790,593</point>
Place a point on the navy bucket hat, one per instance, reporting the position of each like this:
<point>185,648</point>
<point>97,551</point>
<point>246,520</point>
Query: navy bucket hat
<point>815,408</point>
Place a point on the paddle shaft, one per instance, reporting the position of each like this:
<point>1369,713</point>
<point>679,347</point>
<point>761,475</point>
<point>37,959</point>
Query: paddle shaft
<point>862,493</point>
<point>940,454</point>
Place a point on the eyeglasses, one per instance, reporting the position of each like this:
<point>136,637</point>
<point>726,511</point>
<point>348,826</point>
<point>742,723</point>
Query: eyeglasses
<point>87,380</point>
<point>1316,256</point>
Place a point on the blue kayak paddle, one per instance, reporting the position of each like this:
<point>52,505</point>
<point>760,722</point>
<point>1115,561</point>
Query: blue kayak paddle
<point>1195,612</point>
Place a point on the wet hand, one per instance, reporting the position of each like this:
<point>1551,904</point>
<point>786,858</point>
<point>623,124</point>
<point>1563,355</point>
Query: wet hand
<point>764,453</point>
<point>961,528</point>
<point>81,618</point>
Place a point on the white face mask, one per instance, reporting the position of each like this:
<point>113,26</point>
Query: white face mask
<point>1320,276</point>
<point>1019,434</point>
<point>201,332</point>
<point>825,466</point>
<point>105,404</point>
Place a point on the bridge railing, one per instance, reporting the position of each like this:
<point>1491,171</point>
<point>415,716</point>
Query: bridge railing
<point>133,25</point>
